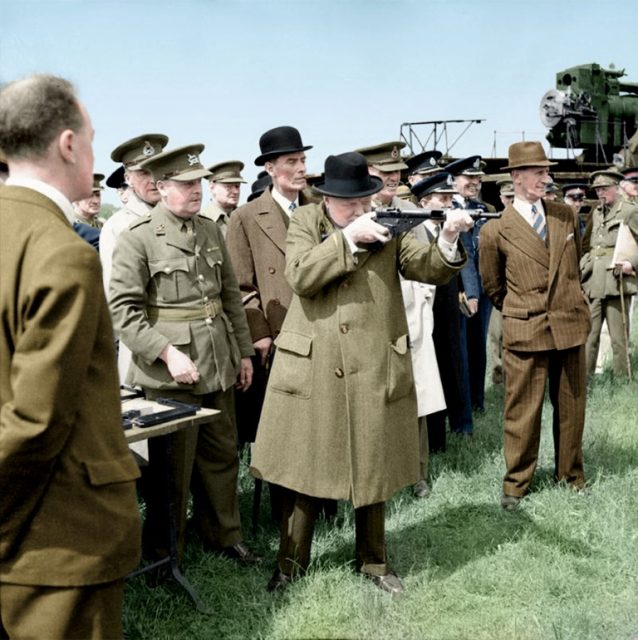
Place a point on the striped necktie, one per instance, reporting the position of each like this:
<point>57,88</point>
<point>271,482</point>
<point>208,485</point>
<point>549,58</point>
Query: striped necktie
<point>538,223</point>
<point>292,207</point>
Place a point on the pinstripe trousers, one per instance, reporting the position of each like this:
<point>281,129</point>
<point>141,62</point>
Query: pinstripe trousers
<point>527,374</point>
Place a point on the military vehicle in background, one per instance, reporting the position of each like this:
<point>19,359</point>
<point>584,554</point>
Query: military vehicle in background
<point>591,114</point>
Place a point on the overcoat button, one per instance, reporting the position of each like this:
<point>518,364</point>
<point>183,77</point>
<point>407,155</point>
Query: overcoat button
<point>167,270</point>
<point>339,372</point>
<point>208,321</point>
<point>272,270</point>
<point>343,328</point>
<point>200,277</point>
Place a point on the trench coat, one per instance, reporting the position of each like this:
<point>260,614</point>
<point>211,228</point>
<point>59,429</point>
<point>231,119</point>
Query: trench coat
<point>68,508</point>
<point>339,420</point>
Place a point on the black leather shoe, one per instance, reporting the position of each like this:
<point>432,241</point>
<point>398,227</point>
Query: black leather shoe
<point>242,554</point>
<point>510,503</point>
<point>278,582</point>
<point>389,582</point>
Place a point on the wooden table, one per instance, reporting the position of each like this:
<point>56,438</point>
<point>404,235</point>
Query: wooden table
<point>136,434</point>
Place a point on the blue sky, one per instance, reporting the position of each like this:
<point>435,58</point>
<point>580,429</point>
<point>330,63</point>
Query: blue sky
<point>346,73</point>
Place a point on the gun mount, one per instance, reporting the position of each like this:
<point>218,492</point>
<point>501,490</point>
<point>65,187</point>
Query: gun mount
<point>591,109</point>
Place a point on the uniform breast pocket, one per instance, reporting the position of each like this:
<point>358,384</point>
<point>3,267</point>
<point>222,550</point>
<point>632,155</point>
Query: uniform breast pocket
<point>293,370</point>
<point>213,260</point>
<point>171,277</point>
<point>399,381</point>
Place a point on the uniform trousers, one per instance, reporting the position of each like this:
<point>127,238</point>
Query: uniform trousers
<point>300,513</point>
<point>204,458</point>
<point>61,613</point>
<point>609,309</point>
<point>526,374</point>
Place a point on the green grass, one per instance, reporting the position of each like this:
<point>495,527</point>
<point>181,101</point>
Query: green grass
<point>564,567</point>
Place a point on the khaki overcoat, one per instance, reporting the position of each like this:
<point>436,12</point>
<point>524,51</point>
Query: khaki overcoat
<point>68,508</point>
<point>340,419</point>
<point>256,240</point>
<point>598,279</point>
<point>158,269</point>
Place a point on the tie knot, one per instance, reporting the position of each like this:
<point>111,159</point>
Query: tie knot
<point>534,210</point>
<point>292,207</point>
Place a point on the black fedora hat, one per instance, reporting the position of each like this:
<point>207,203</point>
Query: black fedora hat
<point>278,141</point>
<point>347,176</point>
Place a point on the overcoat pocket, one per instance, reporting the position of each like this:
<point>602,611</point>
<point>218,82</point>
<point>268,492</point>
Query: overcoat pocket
<point>293,370</point>
<point>399,379</point>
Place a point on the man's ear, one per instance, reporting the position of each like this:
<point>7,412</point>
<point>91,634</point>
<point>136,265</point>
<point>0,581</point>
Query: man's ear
<point>269,167</point>
<point>66,146</point>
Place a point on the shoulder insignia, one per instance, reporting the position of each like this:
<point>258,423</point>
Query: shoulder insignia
<point>160,229</point>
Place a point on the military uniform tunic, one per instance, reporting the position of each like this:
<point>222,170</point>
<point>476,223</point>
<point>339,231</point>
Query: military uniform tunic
<point>172,283</point>
<point>602,286</point>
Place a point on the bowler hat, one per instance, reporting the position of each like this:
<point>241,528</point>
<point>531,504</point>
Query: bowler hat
<point>347,176</point>
<point>181,164</point>
<point>527,154</point>
<point>470,166</point>
<point>385,156</point>
<point>440,183</point>
<point>134,151</point>
<point>279,141</point>
<point>605,178</point>
<point>422,162</point>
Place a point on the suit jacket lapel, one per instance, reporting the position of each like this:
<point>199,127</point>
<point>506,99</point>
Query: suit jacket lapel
<point>558,233</point>
<point>271,221</point>
<point>517,231</point>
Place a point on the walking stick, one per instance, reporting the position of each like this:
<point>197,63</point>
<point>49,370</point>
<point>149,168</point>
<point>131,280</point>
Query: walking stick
<point>625,328</point>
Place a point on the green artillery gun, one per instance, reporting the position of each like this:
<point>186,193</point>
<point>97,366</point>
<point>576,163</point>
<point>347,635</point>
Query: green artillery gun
<point>591,109</point>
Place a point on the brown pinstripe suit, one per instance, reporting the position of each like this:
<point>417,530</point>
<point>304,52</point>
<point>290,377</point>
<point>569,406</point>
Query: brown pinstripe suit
<point>546,321</point>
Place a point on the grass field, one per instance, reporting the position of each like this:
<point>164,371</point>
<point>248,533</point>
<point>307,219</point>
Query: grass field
<point>564,567</point>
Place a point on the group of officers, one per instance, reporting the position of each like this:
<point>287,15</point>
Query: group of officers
<point>338,346</point>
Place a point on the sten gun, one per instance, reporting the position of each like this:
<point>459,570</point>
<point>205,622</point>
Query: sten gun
<point>401,220</point>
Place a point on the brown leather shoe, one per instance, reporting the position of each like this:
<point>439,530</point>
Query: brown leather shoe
<point>278,582</point>
<point>510,503</point>
<point>389,582</point>
<point>241,552</point>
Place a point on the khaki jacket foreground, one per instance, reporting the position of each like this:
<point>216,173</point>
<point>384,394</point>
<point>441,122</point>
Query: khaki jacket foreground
<point>157,266</point>
<point>340,417</point>
<point>536,287</point>
<point>598,278</point>
<point>68,509</point>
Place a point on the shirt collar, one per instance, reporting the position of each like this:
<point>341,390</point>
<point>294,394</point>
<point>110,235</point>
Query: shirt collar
<point>283,202</point>
<point>48,191</point>
<point>525,208</point>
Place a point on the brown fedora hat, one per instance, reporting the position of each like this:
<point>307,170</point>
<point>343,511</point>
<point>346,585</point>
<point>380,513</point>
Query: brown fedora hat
<point>527,154</point>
